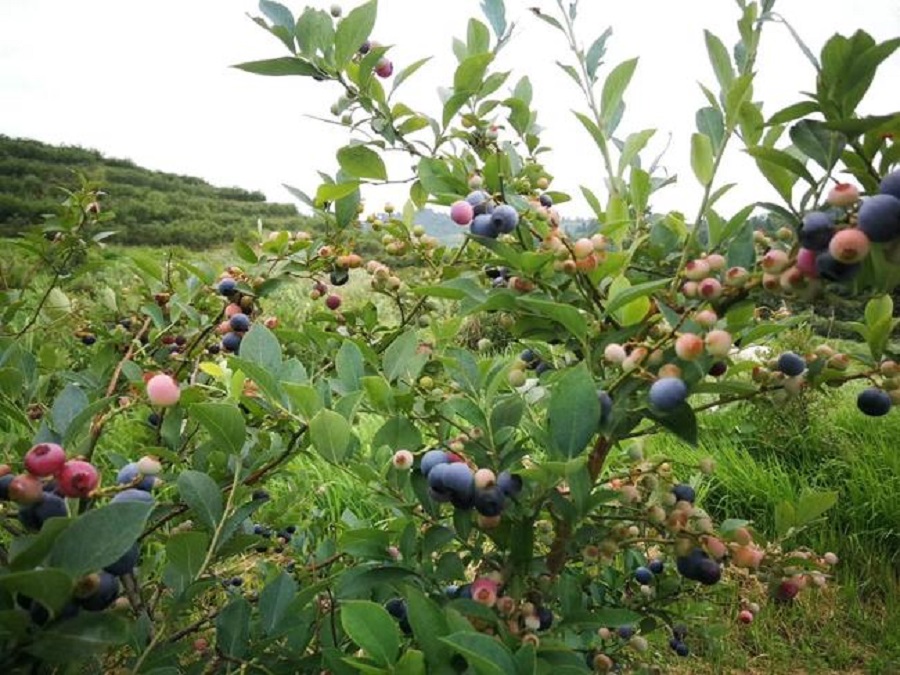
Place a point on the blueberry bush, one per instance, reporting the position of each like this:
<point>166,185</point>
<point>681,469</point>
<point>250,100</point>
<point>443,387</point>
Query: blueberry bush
<point>514,524</point>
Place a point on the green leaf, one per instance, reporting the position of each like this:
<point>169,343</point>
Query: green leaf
<point>400,359</point>
<point>784,160</point>
<point>396,433</point>
<point>111,531</point>
<point>233,628</point>
<point>718,57</point>
<point>29,551</point>
<point>353,30</point>
<point>260,346</point>
<point>348,364</point>
<point>80,637</point>
<point>277,13</point>
<point>812,505</point>
<point>66,407</point>
<point>614,89</point>
<point>470,73</point>
<point>711,123</point>
<point>373,629</point>
<point>879,324</point>
<point>411,663</point>
<point>573,412</point>
<point>330,434</point>
<point>633,146</point>
<point>245,253</point>
<point>202,495</point>
<point>315,32</point>
<point>428,624</point>
<point>329,192</point>
<point>485,654</point>
<point>408,72</point>
<point>595,53</point>
<point>478,37</point>
<point>821,145</point>
<point>185,553</point>
<point>632,293</point>
<point>682,421</point>
<point>50,587</point>
<point>702,158</point>
<point>274,602</point>
<point>285,65</point>
<point>566,315</point>
<point>785,518</point>
<point>224,423</point>
<point>793,112</point>
<point>361,162</point>
<point>496,15</point>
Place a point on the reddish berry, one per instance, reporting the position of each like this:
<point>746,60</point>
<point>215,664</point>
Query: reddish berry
<point>402,460</point>
<point>462,212</point>
<point>163,390</point>
<point>384,68</point>
<point>77,479</point>
<point>25,489</point>
<point>849,246</point>
<point>689,347</point>
<point>45,459</point>
<point>333,302</point>
<point>843,194</point>
<point>745,616</point>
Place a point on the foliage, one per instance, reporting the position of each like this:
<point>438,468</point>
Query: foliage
<point>498,536</point>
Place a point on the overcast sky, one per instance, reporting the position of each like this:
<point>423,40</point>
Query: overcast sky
<point>150,81</point>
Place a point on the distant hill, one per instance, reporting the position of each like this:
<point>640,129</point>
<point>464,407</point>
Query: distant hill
<point>151,207</point>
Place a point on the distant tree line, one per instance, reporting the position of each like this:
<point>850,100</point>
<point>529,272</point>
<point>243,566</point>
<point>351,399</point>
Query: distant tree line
<point>151,207</point>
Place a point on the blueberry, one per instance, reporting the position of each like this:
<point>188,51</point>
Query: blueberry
<point>458,480</point>
<point>606,406</point>
<point>890,184</point>
<point>339,277</point>
<point>396,607</point>
<point>668,393</point>
<point>831,269</point>
<point>879,217</point>
<point>126,563</point>
<point>33,516</point>
<point>483,226</point>
<point>490,501</point>
<point>436,478</point>
<point>236,581</point>
<point>656,566</point>
<point>708,572</point>
<point>817,230</point>
<point>625,632</point>
<point>481,202</point>
<point>231,342</point>
<point>791,364</point>
<point>874,402</point>
<point>509,483</point>
<point>684,493</point>
<point>365,47</point>
<point>529,356</point>
<point>546,200</point>
<point>154,420</point>
<point>679,631</point>
<point>103,597</point>
<point>718,369</point>
<point>132,495</point>
<point>227,286</point>
<point>290,529</point>
<point>505,218</point>
<point>689,565</point>
<point>545,616</point>
<point>682,649</point>
<point>431,459</point>
<point>4,485</point>
<point>643,575</point>
<point>88,339</point>
<point>465,592</point>
<point>240,322</point>
<point>261,496</point>
<point>438,496</point>
<point>451,591</point>
<point>542,367</point>
<point>128,473</point>
<point>259,530</point>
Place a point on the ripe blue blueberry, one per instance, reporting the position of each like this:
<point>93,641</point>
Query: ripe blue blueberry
<point>129,473</point>
<point>489,501</point>
<point>656,566</point>
<point>831,269</point>
<point>505,218</point>
<point>817,230</point>
<point>431,459</point>
<point>643,575</point>
<point>483,226</point>
<point>879,217</point>
<point>240,322</point>
<point>682,649</point>
<point>458,479</point>
<point>126,563</point>
<point>546,200</point>
<point>791,364</point>
<point>668,393</point>
<point>606,406</point>
<point>103,597</point>
<point>231,342</point>
<point>33,516</point>
<point>709,572</point>
<point>684,493</point>
<point>874,402</point>
<point>545,616</point>
<point>542,367</point>
<point>625,632</point>
<point>4,485</point>
<point>890,184</point>
<point>436,478</point>
<point>481,202</point>
<point>529,356</point>
<point>227,286</point>
<point>689,565</point>
<point>509,483</point>
<point>132,495</point>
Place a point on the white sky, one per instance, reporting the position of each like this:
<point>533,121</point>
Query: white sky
<point>149,81</point>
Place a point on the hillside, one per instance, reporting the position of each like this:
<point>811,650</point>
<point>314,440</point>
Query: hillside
<point>151,207</point>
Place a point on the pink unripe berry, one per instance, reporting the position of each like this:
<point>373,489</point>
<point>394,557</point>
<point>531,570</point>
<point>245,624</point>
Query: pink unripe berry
<point>771,282</point>
<point>714,546</point>
<point>78,478</point>
<point>599,242</point>
<point>806,263</point>
<point>271,322</point>
<point>223,327</point>
<point>232,309</point>
<point>602,663</point>
<point>332,302</point>
<point>742,536</point>
<point>671,369</point>
<point>843,194</point>
<point>462,212</point>
<point>718,342</point>
<point>849,246</point>
<point>384,68</point>
<point>748,557</point>
<point>25,489</point>
<point>689,289</point>
<point>736,277</point>
<point>163,390</point>
<point>745,616</point>
<point>45,459</point>
<point>484,591</point>
<point>716,261</point>
<point>484,478</point>
<point>149,465</point>
<point>830,558</point>
<point>583,248</point>
<point>402,460</point>
<point>709,289</point>
<point>775,261</point>
<point>706,318</point>
<point>689,347</point>
<point>615,353</point>
<point>394,553</point>
<point>696,270</point>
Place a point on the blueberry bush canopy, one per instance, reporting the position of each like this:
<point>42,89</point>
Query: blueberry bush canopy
<point>511,521</point>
